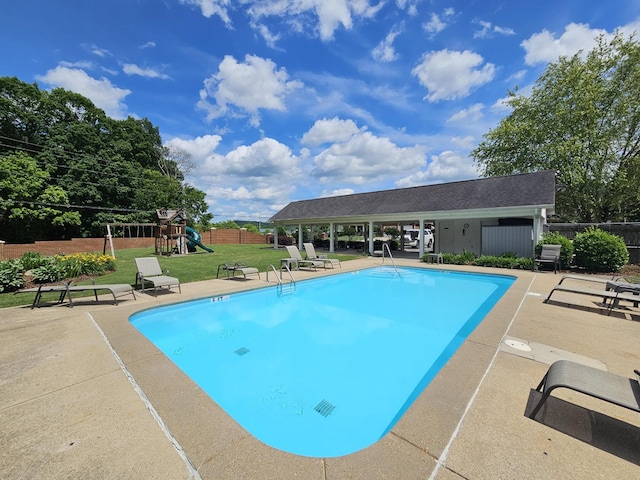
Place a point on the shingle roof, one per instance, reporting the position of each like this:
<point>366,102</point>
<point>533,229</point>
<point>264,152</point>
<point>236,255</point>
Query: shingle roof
<point>524,190</point>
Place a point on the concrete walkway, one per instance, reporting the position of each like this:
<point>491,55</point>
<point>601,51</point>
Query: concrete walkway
<point>84,395</point>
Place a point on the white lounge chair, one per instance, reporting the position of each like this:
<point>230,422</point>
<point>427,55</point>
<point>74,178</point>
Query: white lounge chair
<point>311,255</point>
<point>295,255</point>
<point>149,271</point>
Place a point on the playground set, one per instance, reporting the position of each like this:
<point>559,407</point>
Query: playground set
<point>172,235</point>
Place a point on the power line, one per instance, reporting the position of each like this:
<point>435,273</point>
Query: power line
<point>79,207</point>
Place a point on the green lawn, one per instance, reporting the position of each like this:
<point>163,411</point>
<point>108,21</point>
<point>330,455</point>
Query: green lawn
<point>188,268</point>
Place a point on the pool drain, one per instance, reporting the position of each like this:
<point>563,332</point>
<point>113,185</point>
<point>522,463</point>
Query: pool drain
<point>324,408</point>
<point>241,351</point>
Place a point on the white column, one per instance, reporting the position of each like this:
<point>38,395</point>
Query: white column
<point>275,236</point>
<point>421,237</point>
<point>331,228</point>
<point>370,237</point>
<point>300,236</point>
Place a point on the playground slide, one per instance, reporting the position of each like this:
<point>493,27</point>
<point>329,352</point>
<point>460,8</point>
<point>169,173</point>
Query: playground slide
<point>194,239</point>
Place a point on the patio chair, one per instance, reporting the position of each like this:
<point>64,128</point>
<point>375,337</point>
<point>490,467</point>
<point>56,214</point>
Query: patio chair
<point>237,267</point>
<point>621,391</point>
<point>311,255</point>
<point>550,254</point>
<point>295,255</point>
<point>149,271</point>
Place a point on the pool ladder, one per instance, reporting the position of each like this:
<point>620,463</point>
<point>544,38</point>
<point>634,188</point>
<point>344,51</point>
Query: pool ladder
<point>279,280</point>
<point>386,246</point>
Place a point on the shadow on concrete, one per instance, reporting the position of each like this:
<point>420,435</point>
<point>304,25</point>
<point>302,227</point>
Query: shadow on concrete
<point>598,430</point>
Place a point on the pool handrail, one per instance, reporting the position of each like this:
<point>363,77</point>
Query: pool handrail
<point>385,245</point>
<point>279,280</point>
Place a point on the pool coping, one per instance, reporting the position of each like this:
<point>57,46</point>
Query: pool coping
<point>450,431</point>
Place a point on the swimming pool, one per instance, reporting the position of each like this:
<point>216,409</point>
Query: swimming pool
<point>326,367</point>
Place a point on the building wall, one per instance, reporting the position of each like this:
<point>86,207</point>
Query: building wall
<point>9,251</point>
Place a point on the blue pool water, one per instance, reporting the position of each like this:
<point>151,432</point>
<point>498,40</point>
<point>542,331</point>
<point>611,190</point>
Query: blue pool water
<point>327,367</point>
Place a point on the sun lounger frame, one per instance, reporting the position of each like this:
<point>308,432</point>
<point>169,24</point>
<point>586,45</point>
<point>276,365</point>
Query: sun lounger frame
<point>606,386</point>
<point>610,298</point>
<point>65,291</point>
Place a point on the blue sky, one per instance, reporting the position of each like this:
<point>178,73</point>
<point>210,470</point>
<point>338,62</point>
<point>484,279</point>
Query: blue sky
<point>293,99</point>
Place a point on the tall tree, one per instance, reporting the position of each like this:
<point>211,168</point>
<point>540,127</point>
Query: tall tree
<point>112,168</point>
<point>29,205</point>
<point>582,120</point>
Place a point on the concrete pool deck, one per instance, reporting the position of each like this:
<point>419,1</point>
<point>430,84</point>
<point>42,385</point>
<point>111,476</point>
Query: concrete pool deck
<point>84,395</point>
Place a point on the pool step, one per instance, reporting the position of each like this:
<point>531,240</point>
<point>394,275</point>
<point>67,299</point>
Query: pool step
<point>288,289</point>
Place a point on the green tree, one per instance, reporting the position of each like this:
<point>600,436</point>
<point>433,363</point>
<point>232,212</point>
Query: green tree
<point>114,169</point>
<point>227,224</point>
<point>28,203</point>
<point>582,120</point>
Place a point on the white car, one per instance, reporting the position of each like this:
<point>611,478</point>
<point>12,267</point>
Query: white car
<point>412,238</point>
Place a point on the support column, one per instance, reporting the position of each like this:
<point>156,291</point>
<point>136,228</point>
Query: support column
<point>300,236</point>
<point>370,237</point>
<point>275,236</point>
<point>421,237</point>
<point>331,229</point>
<point>539,219</point>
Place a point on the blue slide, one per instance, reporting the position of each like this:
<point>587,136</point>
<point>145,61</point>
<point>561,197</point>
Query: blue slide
<point>194,239</point>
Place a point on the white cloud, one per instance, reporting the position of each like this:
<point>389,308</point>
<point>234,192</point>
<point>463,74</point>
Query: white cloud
<point>253,177</point>
<point>437,23</point>
<point>101,92</point>
<point>132,69</point>
<point>447,167</point>
<point>384,51</point>
<point>488,29</point>
<point>94,49</point>
<point>330,131</point>
<point>411,6</point>
<point>365,158</point>
<point>514,77</point>
<point>80,65</point>
<point>544,47</point>
<point>450,75</point>
<point>471,114</point>
<point>328,15</point>
<point>467,143</point>
<point>147,45</point>
<point>199,148</point>
<point>337,192</point>
<point>255,84</point>
<point>265,159</point>
<point>210,8</point>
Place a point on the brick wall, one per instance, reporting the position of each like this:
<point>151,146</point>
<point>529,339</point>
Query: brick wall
<point>97,245</point>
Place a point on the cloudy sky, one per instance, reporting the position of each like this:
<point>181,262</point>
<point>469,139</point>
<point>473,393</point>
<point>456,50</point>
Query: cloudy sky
<point>282,100</point>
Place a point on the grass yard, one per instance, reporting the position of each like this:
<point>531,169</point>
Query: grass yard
<point>188,268</point>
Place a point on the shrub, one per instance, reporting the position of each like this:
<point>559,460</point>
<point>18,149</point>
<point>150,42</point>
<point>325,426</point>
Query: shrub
<point>284,241</point>
<point>465,258</point>
<point>86,264</point>
<point>11,278</point>
<point>566,247</point>
<point>600,251</point>
<point>523,263</point>
<point>493,261</point>
<point>52,271</point>
<point>32,260</point>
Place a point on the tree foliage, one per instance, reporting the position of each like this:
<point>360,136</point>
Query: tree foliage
<point>581,120</point>
<point>84,169</point>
